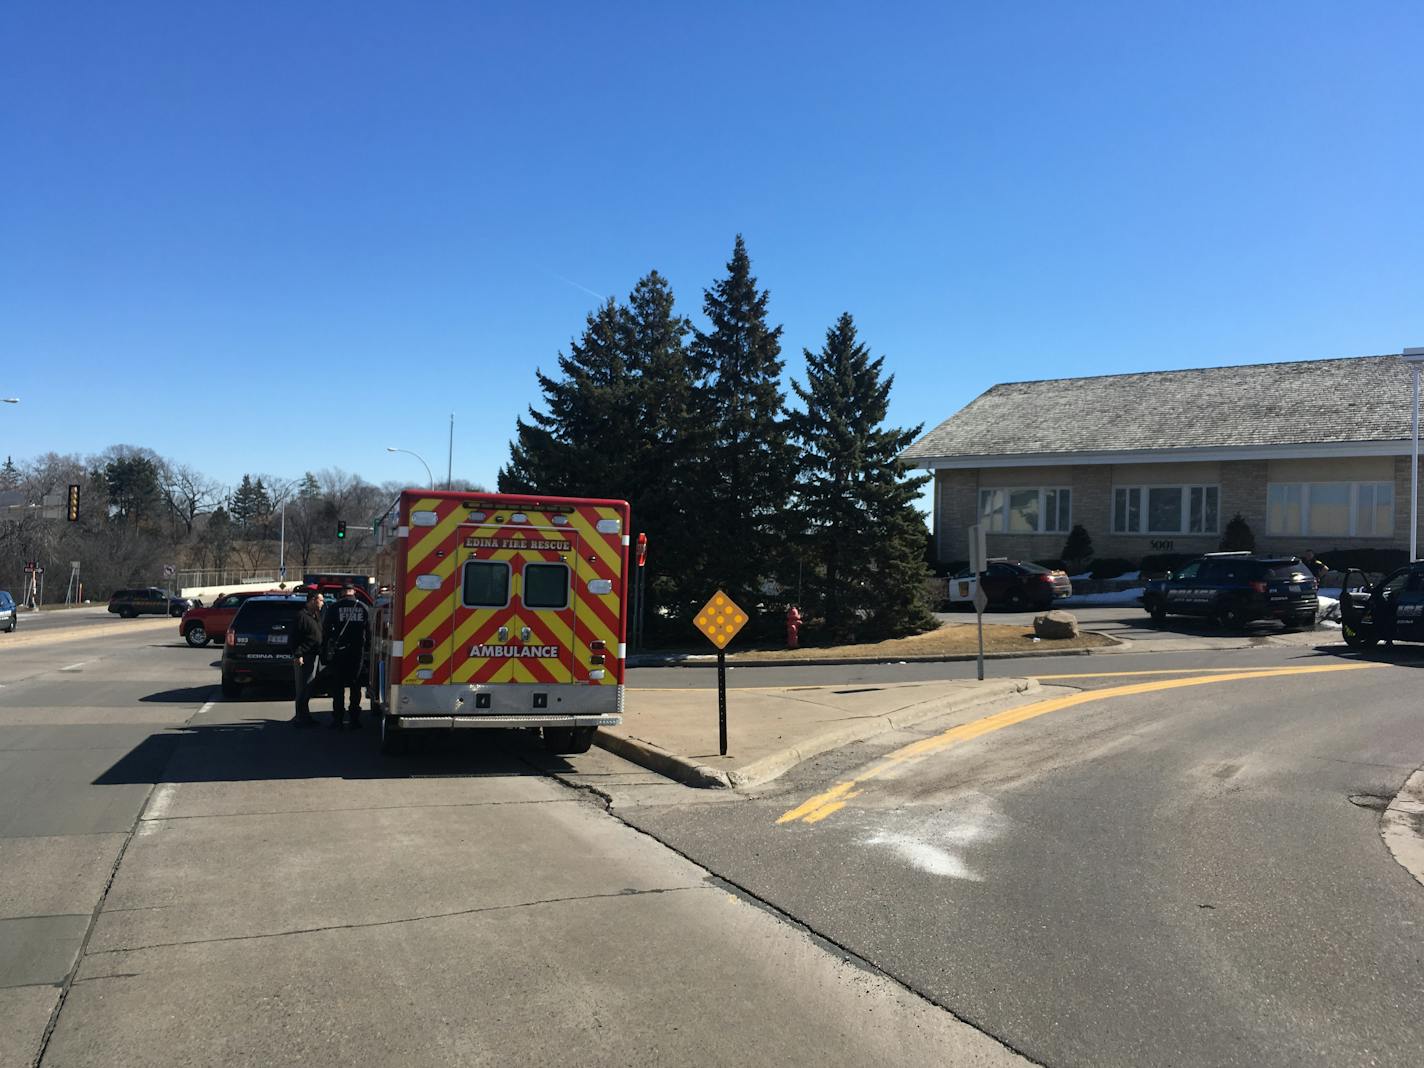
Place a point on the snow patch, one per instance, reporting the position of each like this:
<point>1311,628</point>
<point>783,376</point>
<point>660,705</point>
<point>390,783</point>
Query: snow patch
<point>1132,596</point>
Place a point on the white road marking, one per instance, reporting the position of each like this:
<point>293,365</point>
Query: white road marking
<point>206,708</point>
<point>925,857</point>
<point>74,667</point>
<point>932,842</point>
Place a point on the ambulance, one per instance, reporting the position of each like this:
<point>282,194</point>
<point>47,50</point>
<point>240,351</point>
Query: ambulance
<point>499,611</point>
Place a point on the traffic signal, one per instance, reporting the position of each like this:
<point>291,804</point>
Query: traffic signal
<point>341,528</point>
<point>73,503</point>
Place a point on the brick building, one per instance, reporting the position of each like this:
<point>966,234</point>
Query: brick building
<point>1314,454</point>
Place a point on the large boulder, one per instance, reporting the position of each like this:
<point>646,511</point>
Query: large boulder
<point>1056,625</point>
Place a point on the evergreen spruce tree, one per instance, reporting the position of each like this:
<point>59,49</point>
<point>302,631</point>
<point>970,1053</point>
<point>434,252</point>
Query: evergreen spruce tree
<point>741,476</point>
<point>1078,549</point>
<point>1238,536</point>
<point>261,500</point>
<point>854,500</point>
<point>577,447</point>
<point>309,489</point>
<point>615,422</point>
<point>246,503</point>
<point>9,475</point>
<point>660,392</point>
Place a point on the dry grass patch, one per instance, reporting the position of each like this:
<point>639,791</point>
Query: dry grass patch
<point>951,639</point>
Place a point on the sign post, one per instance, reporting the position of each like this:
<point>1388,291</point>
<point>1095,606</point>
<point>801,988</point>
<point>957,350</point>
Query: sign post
<point>720,620</point>
<point>978,553</point>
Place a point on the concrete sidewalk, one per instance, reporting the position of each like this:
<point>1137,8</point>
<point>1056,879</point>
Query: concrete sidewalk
<point>772,729</point>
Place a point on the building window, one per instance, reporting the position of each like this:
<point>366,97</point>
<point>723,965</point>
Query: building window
<point>1330,509</point>
<point>1026,511</point>
<point>1166,509</point>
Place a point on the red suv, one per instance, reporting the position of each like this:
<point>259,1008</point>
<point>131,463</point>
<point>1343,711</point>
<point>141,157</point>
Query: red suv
<point>203,625</point>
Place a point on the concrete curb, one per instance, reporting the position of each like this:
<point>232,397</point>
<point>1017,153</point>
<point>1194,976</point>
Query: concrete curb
<point>772,766</point>
<point>1402,826</point>
<point>701,660</point>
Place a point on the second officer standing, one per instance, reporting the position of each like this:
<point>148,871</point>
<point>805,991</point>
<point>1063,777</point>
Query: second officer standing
<point>346,628</point>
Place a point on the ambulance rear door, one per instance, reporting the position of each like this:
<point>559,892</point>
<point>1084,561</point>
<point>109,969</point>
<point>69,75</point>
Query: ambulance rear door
<point>514,609</point>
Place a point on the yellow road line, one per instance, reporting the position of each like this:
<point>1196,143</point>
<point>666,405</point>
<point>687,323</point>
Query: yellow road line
<point>817,808</point>
<point>1154,671</point>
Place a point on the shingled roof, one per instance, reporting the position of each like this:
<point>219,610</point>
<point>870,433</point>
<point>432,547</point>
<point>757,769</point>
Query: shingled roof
<point>1364,398</point>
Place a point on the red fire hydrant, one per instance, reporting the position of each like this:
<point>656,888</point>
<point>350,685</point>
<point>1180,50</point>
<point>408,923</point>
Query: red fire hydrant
<point>793,627</point>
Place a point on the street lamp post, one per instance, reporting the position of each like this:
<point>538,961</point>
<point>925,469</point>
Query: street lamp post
<point>392,448</point>
<point>9,400</point>
<point>1415,356</point>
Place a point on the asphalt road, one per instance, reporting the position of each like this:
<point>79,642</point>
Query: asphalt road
<point>184,880</point>
<point>1191,876</point>
<point>53,620</point>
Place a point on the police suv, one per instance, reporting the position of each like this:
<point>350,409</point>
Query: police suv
<point>1390,610</point>
<point>1236,588</point>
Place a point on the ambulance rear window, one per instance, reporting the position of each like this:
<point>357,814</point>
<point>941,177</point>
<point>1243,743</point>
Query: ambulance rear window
<point>486,584</point>
<point>546,586</point>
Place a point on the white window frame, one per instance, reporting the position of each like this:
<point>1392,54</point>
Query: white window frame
<point>998,523</point>
<point>1305,488</point>
<point>1184,518</point>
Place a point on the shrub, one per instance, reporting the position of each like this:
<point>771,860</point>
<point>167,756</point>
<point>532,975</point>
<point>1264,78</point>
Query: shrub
<point>1078,549</point>
<point>1238,536</point>
<point>1106,567</point>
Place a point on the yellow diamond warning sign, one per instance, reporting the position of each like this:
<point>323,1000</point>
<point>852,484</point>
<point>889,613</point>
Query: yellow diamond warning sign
<point>720,619</point>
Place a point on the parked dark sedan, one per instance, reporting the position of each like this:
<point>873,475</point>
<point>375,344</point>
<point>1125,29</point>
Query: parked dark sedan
<point>9,613</point>
<point>1014,584</point>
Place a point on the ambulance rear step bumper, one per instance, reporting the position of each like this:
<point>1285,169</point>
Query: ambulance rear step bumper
<point>406,723</point>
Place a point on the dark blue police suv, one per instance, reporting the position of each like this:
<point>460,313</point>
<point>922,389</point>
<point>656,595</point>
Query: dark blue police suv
<point>1236,588</point>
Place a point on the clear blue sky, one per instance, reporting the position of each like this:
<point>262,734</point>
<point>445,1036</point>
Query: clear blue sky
<point>213,210</point>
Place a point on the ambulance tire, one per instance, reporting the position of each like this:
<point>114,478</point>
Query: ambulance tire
<point>568,740</point>
<point>558,739</point>
<point>393,740</point>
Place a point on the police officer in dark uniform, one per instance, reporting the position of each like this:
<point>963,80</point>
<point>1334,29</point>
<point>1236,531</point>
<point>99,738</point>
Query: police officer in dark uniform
<point>347,631</point>
<point>306,647</point>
